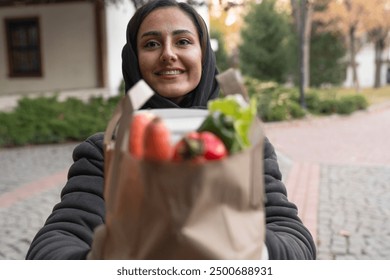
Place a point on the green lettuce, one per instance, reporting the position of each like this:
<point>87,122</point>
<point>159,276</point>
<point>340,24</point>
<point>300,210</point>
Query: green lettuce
<point>241,112</point>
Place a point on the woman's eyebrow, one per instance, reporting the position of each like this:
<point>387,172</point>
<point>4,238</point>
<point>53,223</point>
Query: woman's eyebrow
<point>151,33</point>
<point>159,34</point>
<point>181,31</point>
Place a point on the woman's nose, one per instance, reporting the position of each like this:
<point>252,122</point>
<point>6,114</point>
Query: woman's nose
<point>168,54</point>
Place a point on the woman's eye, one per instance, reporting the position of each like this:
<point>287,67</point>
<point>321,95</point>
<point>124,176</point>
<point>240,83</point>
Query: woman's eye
<point>183,42</point>
<point>151,45</point>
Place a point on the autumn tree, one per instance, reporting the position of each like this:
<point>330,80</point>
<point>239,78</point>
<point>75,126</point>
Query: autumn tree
<point>378,27</point>
<point>348,17</point>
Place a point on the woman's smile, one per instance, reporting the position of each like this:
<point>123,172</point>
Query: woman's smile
<point>170,72</point>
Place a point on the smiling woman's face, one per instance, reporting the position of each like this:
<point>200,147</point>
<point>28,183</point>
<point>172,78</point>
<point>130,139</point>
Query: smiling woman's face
<point>169,53</point>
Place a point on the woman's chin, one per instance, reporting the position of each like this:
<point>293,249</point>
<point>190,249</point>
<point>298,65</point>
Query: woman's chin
<point>174,97</point>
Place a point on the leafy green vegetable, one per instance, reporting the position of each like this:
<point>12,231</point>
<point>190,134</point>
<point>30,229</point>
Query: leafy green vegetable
<point>241,114</point>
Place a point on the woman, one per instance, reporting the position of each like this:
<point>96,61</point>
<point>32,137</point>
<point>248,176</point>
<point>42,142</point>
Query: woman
<point>168,46</point>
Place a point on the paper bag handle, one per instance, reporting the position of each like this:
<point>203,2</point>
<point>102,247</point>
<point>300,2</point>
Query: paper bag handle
<point>231,82</point>
<point>257,164</point>
<point>134,99</point>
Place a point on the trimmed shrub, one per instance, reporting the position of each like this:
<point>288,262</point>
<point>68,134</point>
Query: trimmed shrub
<point>277,103</point>
<point>348,104</point>
<point>47,120</point>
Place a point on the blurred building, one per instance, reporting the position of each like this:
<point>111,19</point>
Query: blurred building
<point>61,45</point>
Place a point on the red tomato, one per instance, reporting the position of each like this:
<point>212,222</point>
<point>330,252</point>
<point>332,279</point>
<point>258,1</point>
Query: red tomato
<point>199,146</point>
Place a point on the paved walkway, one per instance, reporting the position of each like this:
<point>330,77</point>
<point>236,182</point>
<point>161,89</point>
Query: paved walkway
<point>336,169</point>
<point>338,176</point>
<point>31,179</point>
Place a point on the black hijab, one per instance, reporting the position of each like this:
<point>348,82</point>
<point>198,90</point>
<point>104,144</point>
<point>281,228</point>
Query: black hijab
<point>207,88</point>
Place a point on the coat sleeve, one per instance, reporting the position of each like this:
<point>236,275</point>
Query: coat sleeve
<point>286,236</point>
<point>68,231</point>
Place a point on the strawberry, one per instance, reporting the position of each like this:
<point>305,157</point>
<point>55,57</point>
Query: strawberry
<point>137,130</point>
<point>157,141</point>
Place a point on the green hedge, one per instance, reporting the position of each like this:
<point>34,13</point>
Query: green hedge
<point>278,103</point>
<point>47,120</point>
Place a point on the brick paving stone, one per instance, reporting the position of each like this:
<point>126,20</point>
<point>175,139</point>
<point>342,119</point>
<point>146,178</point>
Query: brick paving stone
<point>345,257</point>
<point>356,249</point>
<point>24,165</point>
<point>359,216</point>
<point>18,229</point>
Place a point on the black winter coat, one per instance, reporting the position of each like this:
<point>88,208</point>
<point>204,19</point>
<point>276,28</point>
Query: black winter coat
<point>68,231</point>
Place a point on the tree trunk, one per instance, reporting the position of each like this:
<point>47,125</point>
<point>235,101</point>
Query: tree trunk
<point>295,13</point>
<point>302,14</point>
<point>352,39</point>
<point>379,49</point>
<point>352,47</point>
<point>306,42</point>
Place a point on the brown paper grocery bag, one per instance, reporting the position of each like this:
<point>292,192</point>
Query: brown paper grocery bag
<point>183,210</point>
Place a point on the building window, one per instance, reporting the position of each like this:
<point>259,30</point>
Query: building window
<point>24,47</point>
